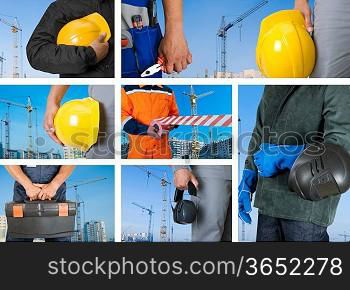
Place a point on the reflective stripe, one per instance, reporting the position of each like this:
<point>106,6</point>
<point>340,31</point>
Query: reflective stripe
<point>125,121</point>
<point>148,91</point>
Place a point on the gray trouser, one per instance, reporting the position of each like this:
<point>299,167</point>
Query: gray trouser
<point>104,148</point>
<point>214,219</point>
<point>332,38</point>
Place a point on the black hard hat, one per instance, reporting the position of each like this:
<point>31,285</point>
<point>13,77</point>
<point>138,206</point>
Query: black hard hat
<point>320,171</point>
<point>185,211</point>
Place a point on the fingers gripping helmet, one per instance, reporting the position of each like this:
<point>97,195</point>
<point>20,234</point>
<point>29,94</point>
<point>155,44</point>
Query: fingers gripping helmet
<point>185,211</point>
<point>77,123</point>
<point>83,31</point>
<point>285,49</point>
<point>320,171</point>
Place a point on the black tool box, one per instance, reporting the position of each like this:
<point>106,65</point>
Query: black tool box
<point>40,219</point>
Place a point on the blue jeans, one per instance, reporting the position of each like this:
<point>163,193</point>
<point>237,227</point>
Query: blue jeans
<point>272,229</point>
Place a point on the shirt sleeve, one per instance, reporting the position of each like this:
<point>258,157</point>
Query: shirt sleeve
<point>45,55</point>
<point>336,115</point>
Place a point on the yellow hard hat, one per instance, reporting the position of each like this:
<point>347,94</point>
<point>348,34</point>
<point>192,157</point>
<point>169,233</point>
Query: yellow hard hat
<point>285,49</point>
<point>83,31</point>
<point>77,123</point>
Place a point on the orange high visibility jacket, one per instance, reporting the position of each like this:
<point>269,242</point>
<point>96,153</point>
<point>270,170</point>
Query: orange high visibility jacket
<point>145,104</point>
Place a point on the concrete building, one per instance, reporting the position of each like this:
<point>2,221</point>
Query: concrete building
<point>181,149</point>
<point>23,154</point>
<point>95,231</point>
<point>124,150</point>
<point>247,73</point>
<point>72,153</point>
<point>3,228</point>
<point>135,237</point>
<point>217,150</point>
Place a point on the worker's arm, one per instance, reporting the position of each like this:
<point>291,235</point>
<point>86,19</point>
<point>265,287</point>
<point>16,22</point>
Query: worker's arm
<point>304,7</point>
<point>182,176</point>
<point>336,116</point>
<point>131,125</point>
<point>174,110</point>
<point>54,98</point>
<point>49,190</point>
<point>17,173</point>
<point>45,55</point>
<point>173,47</point>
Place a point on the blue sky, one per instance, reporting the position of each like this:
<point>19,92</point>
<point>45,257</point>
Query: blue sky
<point>249,98</point>
<point>18,116</point>
<point>220,102</point>
<point>136,189</point>
<point>98,197</point>
<point>29,14</point>
<point>202,19</point>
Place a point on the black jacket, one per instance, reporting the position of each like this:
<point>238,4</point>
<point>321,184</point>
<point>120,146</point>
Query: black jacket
<point>70,61</point>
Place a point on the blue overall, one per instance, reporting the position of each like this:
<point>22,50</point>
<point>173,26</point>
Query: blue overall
<point>143,51</point>
<point>42,174</point>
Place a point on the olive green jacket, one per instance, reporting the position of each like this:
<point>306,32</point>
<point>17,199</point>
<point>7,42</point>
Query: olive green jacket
<point>294,115</point>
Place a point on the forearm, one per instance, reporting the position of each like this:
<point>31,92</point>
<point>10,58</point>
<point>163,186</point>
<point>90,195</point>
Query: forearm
<point>17,173</point>
<point>56,94</point>
<point>63,174</point>
<point>173,16</point>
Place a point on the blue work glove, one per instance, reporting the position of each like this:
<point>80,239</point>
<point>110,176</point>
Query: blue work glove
<point>245,189</point>
<point>272,159</point>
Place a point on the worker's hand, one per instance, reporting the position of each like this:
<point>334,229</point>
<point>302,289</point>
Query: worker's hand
<point>32,191</point>
<point>153,132</point>
<point>49,127</point>
<point>182,177</point>
<point>100,47</point>
<point>304,7</point>
<point>48,191</point>
<point>174,50</point>
<point>169,127</point>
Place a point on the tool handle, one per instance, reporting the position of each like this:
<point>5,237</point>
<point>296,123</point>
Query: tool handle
<point>157,126</point>
<point>179,193</point>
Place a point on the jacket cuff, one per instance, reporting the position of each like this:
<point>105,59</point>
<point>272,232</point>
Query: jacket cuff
<point>91,58</point>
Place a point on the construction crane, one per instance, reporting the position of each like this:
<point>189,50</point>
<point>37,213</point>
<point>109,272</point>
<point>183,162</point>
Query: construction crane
<point>29,108</point>
<point>150,213</point>
<point>15,30</point>
<point>164,237</point>
<point>345,236</point>
<point>2,60</point>
<point>193,101</point>
<point>79,202</point>
<point>222,34</point>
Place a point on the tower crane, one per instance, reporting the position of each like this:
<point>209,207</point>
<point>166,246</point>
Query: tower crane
<point>193,101</point>
<point>222,34</point>
<point>150,213</point>
<point>2,59</point>
<point>79,202</point>
<point>15,30</point>
<point>164,237</point>
<point>29,108</point>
